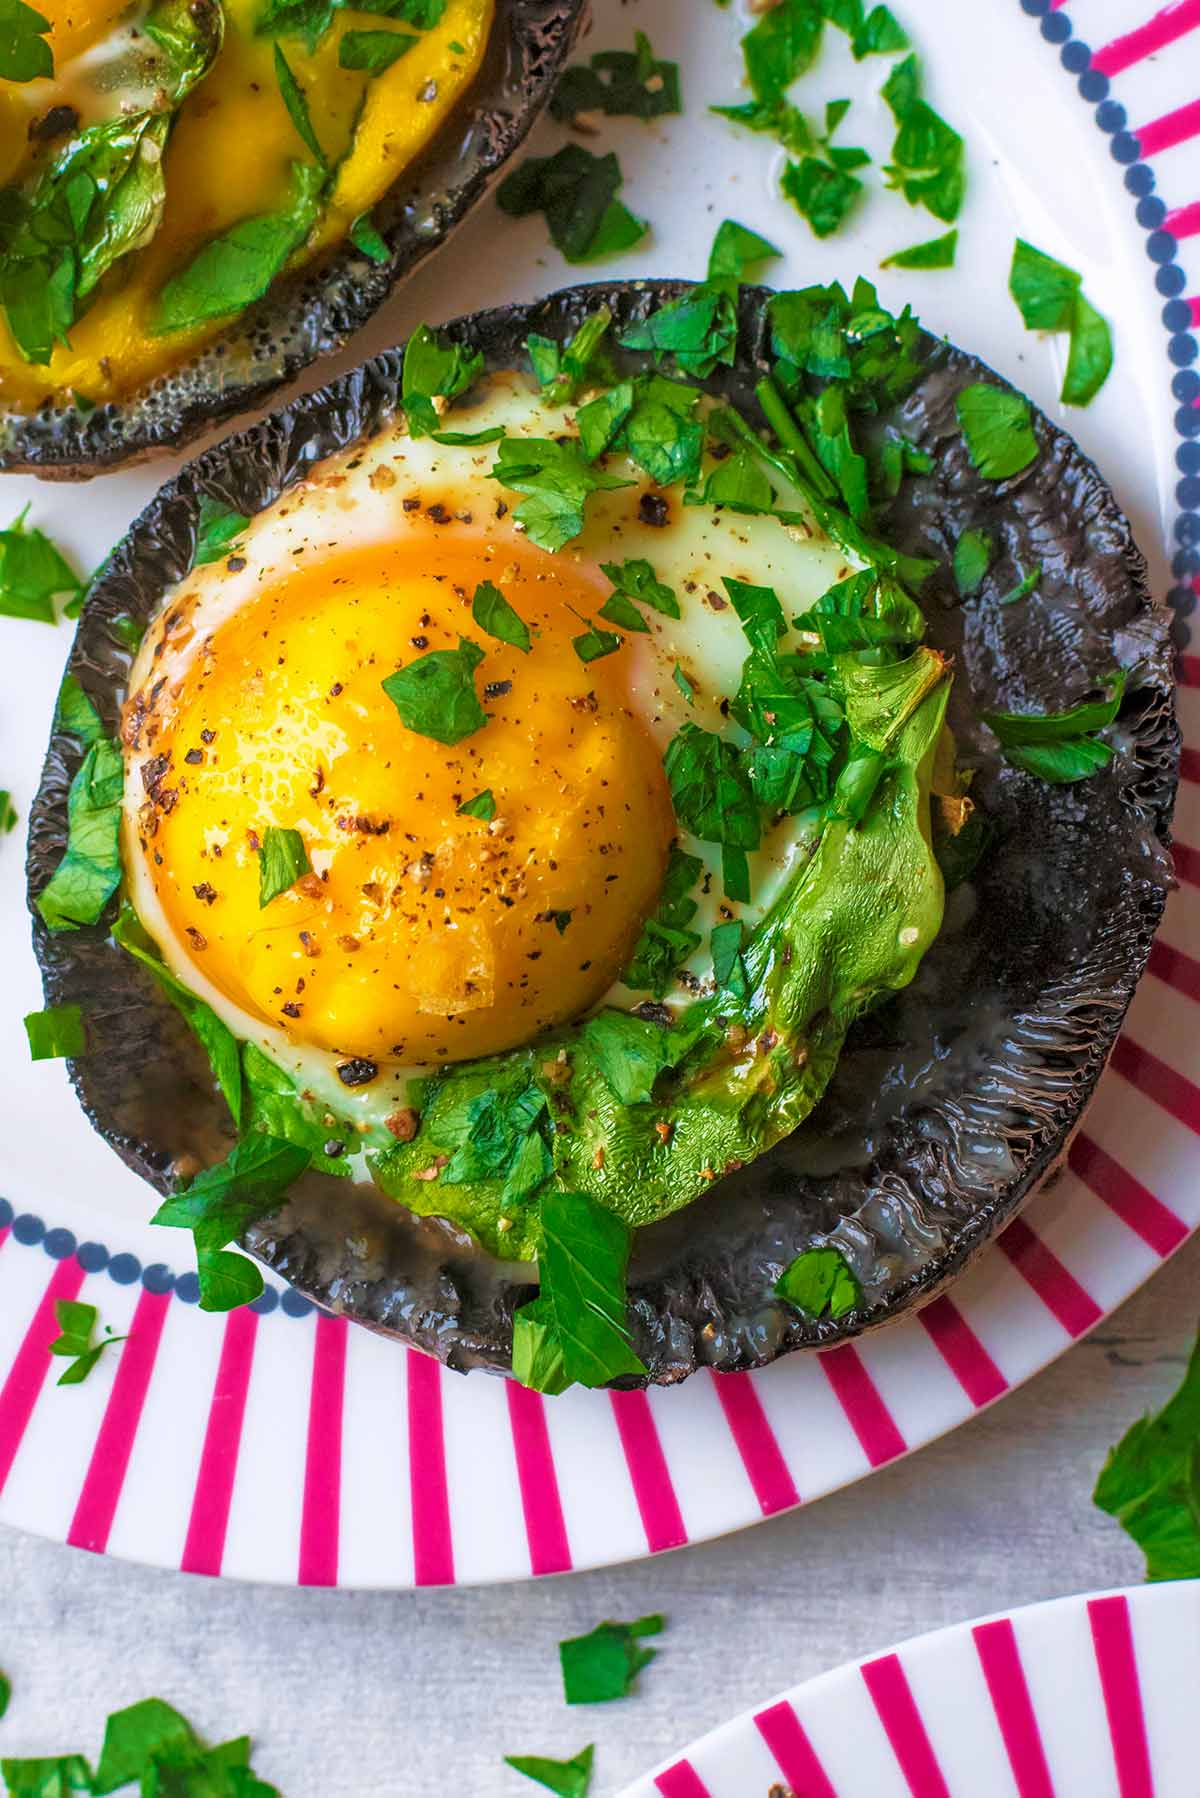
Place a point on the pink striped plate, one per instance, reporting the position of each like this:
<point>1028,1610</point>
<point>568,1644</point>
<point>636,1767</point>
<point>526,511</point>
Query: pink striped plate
<point>278,1444</point>
<point>1079,1698</point>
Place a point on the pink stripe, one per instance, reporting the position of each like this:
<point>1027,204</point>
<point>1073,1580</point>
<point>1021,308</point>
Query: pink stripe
<point>756,1442</point>
<point>892,1697</point>
<point>962,1352</point>
<point>1158,1081</point>
<point>681,1781</point>
<point>1040,1268</point>
<point>433,1539</point>
<point>204,1548</point>
<point>783,1732</point>
<point>31,1364</point>
<point>1187,862</point>
<point>1187,668</point>
<point>1173,128</point>
<point>1174,968</point>
<point>1133,1203</point>
<point>1112,1638</point>
<point>101,1490</point>
<point>1184,222</point>
<point>1166,27</point>
<point>545,1529</point>
<point>868,1416</point>
<point>649,1474</point>
<point>996,1645</point>
<point>321,1507</point>
<point>1195,306</point>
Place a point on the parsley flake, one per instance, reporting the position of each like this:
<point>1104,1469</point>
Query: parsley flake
<point>297,107</point>
<point>435,694</point>
<point>1149,1482</point>
<point>236,268</point>
<point>218,527</point>
<point>821,1283</point>
<point>482,806</point>
<point>55,1033</point>
<point>927,154</point>
<point>604,1664</point>
<point>634,83</point>
<point>592,644</point>
<point>222,1202</point>
<point>1050,298</point>
<point>666,942</point>
<point>33,573</point>
<point>558,483</point>
<point>374,51</point>
<point>282,861</point>
<point>8,812</point>
<point>24,53</point>
<point>972,559</point>
<point>998,428</point>
<point>211,1031</point>
<point>936,252</point>
<point>576,1330</point>
<point>90,870</point>
<point>433,369</point>
<point>493,614</point>
<point>1060,747</point>
<point>76,1322</point>
<point>570,1779</point>
<point>736,250</point>
<point>577,191</point>
<point>636,578</point>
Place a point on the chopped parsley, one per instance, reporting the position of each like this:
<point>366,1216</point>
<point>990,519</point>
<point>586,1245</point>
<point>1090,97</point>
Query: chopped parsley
<point>282,861</point>
<point>684,684</point>
<point>604,1664</point>
<point>699,329</point>
<point>713,798</point>
<point>33,573</point>
<point>736,250</point>
<point>374,51</point>
<point>8,812</point>
<point>1060,747</point>
<point>365,236</point>
<point>577,192</point>
<point>433,369</point>
<point>297,108</point>
<point>1149,1482</point>
<point>820,1283</point>
<point>637,580</point>
<point>148,1743</point>
<point>783,45</point>
<point>972,559</point>
<point>570,1779</point>
<point>998,429</point>
<point>501,1133</point>
<point>55,1033</point>
<point>90,870</point>
<point>231,271</point>
<point>576,1331</point>
<point>1051,298</point>
<point>5,1693</point>
<point>653,421</point>
<point>666,942</point>
<point>632,83</point>
<point>493,614</point>
<point>1024,586</point>
<point>821,193</point>
<point>24,53</point>
<point>76,1323</point>
<point>213,1034</point>
<point>593,643</point>
<point>927,154</point>
<point>222,1202</point>
<point>557,481</point>
<point>562,369</point>
<point>218,527</point>
<point>619,609</point>
<point>435,694</point>
<point>483,805</point>
<point>729,968</point>
<point>935,252</point>
<point>879,34</point>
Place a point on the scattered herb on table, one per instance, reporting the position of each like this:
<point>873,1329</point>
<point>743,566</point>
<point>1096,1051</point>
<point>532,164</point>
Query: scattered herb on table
<point>1061,747</point>
<point>1050,298</point>
<point>736,251</point>
<point>570,1779</point>
<point>633,83</point>
<point>151,1744</point>
<point>282,861</point>
<point>577,191</point>
<point>33,573</point>
<point>55,1033</point>
<point>1150,1480</point>
<point>820,1283</point>
<point>5,1693</point>
<point>435,694</point>
<point>604,1664</point>
<point>76,1323</point>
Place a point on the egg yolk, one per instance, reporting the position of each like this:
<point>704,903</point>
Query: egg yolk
<point>229,158</point>
<point>422,933</point>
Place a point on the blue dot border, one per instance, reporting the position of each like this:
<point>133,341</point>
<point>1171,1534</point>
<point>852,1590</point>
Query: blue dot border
<point>1170,280</point>
<point>1183,354</point>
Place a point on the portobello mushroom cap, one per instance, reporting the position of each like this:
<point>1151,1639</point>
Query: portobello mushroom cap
<point>950,1105</point>
<point>312,312</point>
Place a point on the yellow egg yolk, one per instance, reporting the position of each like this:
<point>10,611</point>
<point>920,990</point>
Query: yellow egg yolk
<point>228,158</point>
<point>421,934</point>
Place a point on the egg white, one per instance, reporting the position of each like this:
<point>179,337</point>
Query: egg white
<point>357,497</point>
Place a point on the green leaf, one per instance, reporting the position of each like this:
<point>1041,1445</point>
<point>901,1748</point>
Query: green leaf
<point>297,107</point>
<point>972,559</point>
<point>90,870</point>
<point>1090,359</point>
<point>782,46</point>
<point>53,1777</point>
<point>581,1267</point>
<point>537,1359</point>
<point>820,1283</point>
<point>637,580</point>
<point>365,237</point>
<point>127,631</point>
<point>374,51</point>
<point>632,83</point>
<point>74,712</point>
<point>214,1035</point>
<point>592,644</point>
<point>24,53</point>
<point>55,1033</point>
<point>273,1105</point>
<point>558,483</point>
<point>8,812</point>
<point>493,614</point>
<point>282,861</point>
<point>936,252</point>
<point>76,1322</point>
<point>236,268</point>
<point>433,368</point>
<point>1055,727</point>
<point>605,1663</point>
<point>710,789</point>
<point>927,154</point>
<point>1075,758</point>
<point>5,1693</point>
<point>998,429</point>
<point>821,193</point>
<point>666,942</point>
<point>577,192</point>
<point>33,573</point>
<point>1150,1482</point>
<point>570,1779</point>
<point>217,528</point>
<point>134,1736</point>
<point>738,483</point>
<point>699,329</point>
<point>222,1202</point>
<point>619,609</point>
<point>736,250</point>
<point>435,695</point>
<point>684,684</point>
<point>879,35</point>
<point>482,806</point>
<point>468,439</point>
<point>760,613</point>
<point>1045,290</point>
<point>1024,586</point>
<point>631,1052</point>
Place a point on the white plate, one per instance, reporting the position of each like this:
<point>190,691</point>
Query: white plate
<point>280,1445</point>
<point>1080,1698</point>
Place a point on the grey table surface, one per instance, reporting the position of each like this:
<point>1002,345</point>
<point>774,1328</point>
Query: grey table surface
<point>398,1695</point>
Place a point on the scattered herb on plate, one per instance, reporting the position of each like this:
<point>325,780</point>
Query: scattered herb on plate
<point>33,573</point>
<point>577,191</point>
<point>55,1033</point>
<point>76,1323</point>
<point>936,252</point>
<point>633,83</point>
<point>1050,297</point>
<point>495,615</point>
